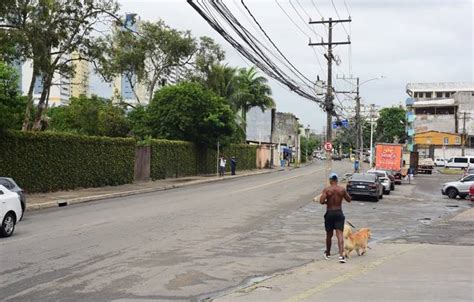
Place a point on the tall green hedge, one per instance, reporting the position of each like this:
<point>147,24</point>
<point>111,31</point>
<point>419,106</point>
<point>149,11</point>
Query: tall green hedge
<point>177,158</point>
<point>172,159</point>
<point>46,161</point>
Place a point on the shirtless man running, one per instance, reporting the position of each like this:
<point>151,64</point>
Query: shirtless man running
<point>332,197</point>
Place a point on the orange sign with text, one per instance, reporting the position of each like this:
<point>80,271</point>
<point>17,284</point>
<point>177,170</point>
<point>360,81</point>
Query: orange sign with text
<point>388,157</point>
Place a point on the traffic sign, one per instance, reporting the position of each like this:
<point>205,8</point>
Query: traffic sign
<point>340,123</point>
<point>328,146</point>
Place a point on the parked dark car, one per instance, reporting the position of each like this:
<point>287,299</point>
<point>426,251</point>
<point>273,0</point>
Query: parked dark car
<point>366,185</point>
<point>336,157</point>
<point>11,185</point>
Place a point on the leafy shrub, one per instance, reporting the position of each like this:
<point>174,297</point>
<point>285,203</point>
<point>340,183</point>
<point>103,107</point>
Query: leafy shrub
<point>47,161</point>
<point>178,158</point>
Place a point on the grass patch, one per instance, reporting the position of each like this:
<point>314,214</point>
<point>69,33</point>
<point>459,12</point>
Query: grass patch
<point>451,171</point>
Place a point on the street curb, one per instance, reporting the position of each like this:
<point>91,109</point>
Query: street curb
<point>72,201</point>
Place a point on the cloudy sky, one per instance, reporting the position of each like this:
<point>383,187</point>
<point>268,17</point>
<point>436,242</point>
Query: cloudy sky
<point>402,40</point>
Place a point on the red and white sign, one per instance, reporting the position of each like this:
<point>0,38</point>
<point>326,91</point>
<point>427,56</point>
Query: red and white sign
<point>328,146</point>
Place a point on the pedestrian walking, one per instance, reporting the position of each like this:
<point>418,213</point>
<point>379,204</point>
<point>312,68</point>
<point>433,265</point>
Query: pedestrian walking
<point>356,166</point>
<point>332,197</point>
<point>232,165</point>
<point>222,163</point>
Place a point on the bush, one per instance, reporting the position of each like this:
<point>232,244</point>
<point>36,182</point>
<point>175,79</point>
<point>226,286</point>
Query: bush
<point>45,161</point>
<point>178,159</point>
<point>172,159</point>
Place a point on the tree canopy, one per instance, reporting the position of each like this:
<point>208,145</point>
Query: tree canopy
<point>49,33</point>
<point>12,104</point>
<point>190,112</point>
<point>89,116</point>
<point>391,125</point>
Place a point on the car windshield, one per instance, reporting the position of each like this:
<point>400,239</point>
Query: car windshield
<point>379,174</point>
<point>363,177</point>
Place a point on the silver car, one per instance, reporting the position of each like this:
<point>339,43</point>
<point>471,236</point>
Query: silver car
<point>384,179</point>
<point>458,188</point>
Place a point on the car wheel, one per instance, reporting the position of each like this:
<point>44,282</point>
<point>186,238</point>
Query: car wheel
<point>452,193</point>
<point>392,187</point>
<point>387,192</point>
<point>8,225</point>
<point>376,198</point>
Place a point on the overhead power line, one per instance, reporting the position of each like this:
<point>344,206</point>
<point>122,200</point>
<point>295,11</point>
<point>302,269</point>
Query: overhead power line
<point>271,41</point>
<point>250,47</point>
<point>337,14</point>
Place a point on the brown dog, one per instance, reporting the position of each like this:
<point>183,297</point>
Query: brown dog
<point>357,241</point>
<point>347,231</point>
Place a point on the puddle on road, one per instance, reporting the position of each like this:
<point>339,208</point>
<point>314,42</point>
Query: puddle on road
<point>452,207</point>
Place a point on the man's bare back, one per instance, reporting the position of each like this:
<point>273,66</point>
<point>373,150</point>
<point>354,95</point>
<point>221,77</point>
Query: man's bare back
<point>333,195</point>
<point>334,219</point>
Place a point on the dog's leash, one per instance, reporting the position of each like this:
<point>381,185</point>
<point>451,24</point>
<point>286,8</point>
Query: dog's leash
<point>349,223</point>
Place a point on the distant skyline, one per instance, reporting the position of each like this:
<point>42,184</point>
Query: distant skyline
<point>404,41</point>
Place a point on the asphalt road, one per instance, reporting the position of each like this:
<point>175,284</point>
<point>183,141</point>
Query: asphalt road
<point>194,242</point>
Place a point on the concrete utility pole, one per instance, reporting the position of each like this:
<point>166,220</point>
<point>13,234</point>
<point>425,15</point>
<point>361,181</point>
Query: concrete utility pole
<point>359,143</point>
<point>372,113</point>
<point>464,136</point>
<point>329,104</point>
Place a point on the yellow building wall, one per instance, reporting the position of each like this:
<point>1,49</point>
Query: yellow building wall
<point>437,138</point>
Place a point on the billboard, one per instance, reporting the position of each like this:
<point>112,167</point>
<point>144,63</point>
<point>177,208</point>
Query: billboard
<point>388,157</point>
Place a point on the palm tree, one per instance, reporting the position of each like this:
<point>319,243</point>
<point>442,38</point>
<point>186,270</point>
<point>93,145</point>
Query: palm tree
<point>252,91</point>
<point>222,80</point>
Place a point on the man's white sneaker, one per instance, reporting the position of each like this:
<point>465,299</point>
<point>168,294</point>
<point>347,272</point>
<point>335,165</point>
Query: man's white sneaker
<point>342,259</point>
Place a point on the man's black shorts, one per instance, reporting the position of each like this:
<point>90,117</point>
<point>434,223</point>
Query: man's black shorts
<point>334,220</point>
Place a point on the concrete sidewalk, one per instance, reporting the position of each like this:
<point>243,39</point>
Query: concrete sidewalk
<point>64,198</point>
<point>389,272</point>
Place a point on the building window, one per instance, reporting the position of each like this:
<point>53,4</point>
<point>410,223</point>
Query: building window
<point>447,94</point>
<point>446,141</point>
<point>428,94</point>
<point>458,140</point>
<point>439,94</point>
<point>415,95</point>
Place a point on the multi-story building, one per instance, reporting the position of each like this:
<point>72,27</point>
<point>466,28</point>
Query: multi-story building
<point>62,87</point>
<point>441,107</point>
<point>276,132</point>
<point>80,81</point>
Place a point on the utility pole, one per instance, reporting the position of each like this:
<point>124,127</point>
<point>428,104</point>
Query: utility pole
<point>372,113</point>
<point>329,104</point>
<point>464,136</point>
<point>359,139</point>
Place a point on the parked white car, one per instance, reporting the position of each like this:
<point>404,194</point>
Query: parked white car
<point>384,179</point>
<point>458,188</point>
<point>440,162</point>
<point>10,211</point>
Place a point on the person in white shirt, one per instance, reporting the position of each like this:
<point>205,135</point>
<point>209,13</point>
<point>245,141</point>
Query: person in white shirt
<point>222,163</point>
